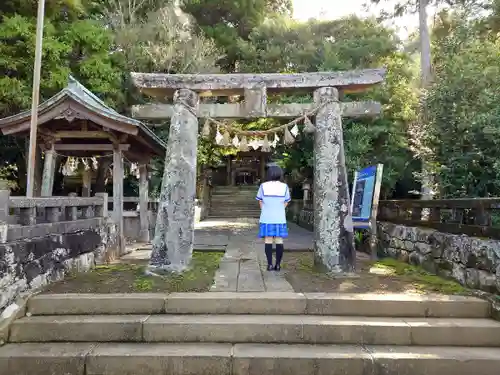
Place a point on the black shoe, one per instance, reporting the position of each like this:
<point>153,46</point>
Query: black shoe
<point>277,267</point>
<point>270,267</point>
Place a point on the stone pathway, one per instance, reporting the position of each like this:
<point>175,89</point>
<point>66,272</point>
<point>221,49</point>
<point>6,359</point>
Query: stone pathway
<point>242,269</point>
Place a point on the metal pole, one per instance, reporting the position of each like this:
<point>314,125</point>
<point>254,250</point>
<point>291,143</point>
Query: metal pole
<point>35,100</point>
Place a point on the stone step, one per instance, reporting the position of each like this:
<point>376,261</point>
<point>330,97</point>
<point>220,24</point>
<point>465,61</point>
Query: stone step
<point>230,208</point>
<point>218,216</point>
<point>251,201</point>
<point>236,192</point>
<point>236,188</point>
<point>300,329</point>
<point>242,197</point>
<point>243,359</point>
<point>237,212</point>
<point>232,216</point>
<point>287,303</point>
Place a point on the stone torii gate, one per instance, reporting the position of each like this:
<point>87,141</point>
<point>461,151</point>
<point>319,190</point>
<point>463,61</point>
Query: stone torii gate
<point>333,229</point>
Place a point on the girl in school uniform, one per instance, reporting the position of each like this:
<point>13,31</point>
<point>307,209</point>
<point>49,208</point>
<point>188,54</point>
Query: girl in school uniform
<point>273,197</point>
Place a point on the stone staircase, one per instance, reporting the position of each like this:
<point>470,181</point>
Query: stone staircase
<point>252,334</point>
<point>234,202</point>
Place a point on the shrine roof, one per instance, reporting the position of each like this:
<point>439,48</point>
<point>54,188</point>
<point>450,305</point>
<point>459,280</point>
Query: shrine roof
<point>156,84</point>
<point>75,101</point>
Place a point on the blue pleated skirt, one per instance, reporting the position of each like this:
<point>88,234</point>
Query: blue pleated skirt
<point>273,230</point>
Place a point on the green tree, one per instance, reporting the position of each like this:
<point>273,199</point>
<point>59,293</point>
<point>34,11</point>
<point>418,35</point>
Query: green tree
<point>464,112</point>
<point>230,22</point>
<point>72,44</point>
<point>282,45</point>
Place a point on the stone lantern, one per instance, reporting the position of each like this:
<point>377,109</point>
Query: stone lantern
<point>306,188</point>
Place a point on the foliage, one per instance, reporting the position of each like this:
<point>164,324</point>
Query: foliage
<point>101,41</point>
<point>230,22</point>
<point>283,45</point>
<point>72,44</point>
<point>464,113</point>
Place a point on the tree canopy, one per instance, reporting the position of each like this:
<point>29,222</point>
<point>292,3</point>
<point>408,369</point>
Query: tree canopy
<point>101,41</point>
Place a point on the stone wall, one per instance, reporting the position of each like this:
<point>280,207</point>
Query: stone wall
<point>473,262</point>
<point>41,239</point>
<point>30,264</point>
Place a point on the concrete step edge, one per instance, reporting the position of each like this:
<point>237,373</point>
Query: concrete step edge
<point>289,303</point>
<point>305,329</point>
<point>243,359</point>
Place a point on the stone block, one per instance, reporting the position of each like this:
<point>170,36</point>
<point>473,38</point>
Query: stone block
<point>350,330</point>
<point>441,306</point>
<point>458,272</point>
<point>454,332</point>
<point>152,359</point>
<point>236,303</point>
<point>78,328</point>
<point>93,304</point>
<point>472,278</point>
<point>404,360</point>
<point>423,248</point>
<point>223,328</point>
<point>396,305</point>
<point>44,359</point>
<point>255,359</point>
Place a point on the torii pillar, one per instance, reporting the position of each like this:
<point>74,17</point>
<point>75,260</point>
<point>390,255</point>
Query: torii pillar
<point>333,228</point>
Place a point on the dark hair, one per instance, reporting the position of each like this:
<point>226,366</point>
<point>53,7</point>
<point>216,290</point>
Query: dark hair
<point>274,173</point>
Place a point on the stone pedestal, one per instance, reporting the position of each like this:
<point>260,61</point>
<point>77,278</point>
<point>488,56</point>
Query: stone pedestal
<point>174,234</point>
<point>333,229</point>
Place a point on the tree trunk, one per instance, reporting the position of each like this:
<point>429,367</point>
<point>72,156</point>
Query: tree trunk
<point>425,80</point>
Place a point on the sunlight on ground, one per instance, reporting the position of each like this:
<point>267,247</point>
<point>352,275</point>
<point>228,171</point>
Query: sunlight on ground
<point>233,223</point>
<point>380,277</point>
<point>379,269</point>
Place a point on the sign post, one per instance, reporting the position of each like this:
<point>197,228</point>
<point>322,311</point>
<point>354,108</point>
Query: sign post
<point>364,202</point>
<point>30,183</point>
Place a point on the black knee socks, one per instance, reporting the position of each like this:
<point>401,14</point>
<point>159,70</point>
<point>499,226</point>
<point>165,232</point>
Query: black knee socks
<point>279,254</point>
<point>268,247</point>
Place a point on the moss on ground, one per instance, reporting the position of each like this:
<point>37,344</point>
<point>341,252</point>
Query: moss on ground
<point>383,276</point>
<point>420,278</point>
<point>131,278</point>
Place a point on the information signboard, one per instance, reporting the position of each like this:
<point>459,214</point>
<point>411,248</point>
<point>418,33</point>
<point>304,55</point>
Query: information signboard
<point>365,196</point>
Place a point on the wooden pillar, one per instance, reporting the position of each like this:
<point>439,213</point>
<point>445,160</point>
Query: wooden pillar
<point>118,197</point>
<point>262,167</point>
<point>49,164</point>
<point>4,213</point>
<point>143,202</point>
<point>86,182</point>
<point>37,178</point>
<point>333,229</point>
<point>229,176</point>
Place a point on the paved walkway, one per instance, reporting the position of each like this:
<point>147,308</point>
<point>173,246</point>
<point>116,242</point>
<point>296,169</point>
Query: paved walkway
<point>242,269</point>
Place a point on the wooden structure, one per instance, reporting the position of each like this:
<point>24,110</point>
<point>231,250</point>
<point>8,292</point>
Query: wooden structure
<point>76,123</point>
<point>244,168</point>
<point>334,241</point>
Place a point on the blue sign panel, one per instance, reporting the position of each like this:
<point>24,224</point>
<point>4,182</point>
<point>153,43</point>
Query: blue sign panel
<point>362,199</point>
